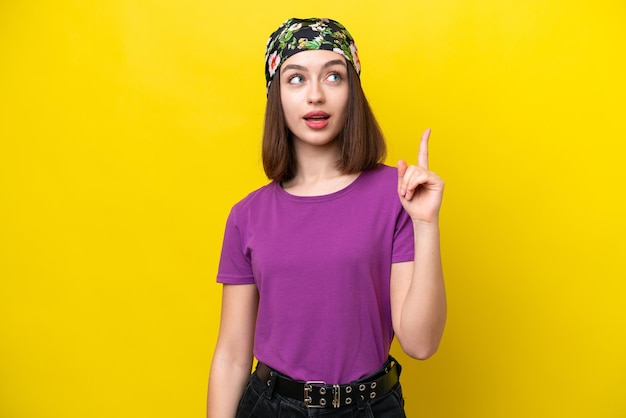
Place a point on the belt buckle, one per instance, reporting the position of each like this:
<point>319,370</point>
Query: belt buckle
<point>308,388</point>
<point>336,396</point>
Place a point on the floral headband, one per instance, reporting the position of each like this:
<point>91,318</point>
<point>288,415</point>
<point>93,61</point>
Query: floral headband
<point>297,35</point>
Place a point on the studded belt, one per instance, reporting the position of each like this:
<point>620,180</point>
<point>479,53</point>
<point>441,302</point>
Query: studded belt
<point>316,394</point>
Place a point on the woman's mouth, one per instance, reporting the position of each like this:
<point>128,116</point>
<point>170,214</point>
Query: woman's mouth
<point>316,119</point>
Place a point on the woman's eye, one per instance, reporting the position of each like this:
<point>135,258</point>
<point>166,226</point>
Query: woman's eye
<point>296,79</point>
<point>334,77</point>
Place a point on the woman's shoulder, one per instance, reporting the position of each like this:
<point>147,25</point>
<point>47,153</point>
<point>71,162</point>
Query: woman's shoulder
<point>256,196</point>
<point>387,171</point>
<point>383,174</point>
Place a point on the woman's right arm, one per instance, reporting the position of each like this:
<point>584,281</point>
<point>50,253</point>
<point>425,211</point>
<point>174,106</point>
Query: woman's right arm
<point>232,359</point>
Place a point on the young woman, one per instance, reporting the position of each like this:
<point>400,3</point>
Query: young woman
<point>331,259</point>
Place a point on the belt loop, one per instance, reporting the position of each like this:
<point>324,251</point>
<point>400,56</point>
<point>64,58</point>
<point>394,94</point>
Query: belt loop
<point>392,362</point>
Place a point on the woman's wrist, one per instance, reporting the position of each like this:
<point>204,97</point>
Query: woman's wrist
<point>420,225</point>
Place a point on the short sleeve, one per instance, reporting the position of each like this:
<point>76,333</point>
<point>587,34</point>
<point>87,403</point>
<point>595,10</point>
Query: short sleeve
<point>235,266</point>
<point>403,248</point>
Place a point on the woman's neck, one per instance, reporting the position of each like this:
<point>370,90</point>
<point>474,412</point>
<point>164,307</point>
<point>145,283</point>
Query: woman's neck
<point>321,185</point>
<point>317,173</point>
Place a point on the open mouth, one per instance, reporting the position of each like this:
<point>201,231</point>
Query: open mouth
<point>316,119</point>
<point>316,116</point>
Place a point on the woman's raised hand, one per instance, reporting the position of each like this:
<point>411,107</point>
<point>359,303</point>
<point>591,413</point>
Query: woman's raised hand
<point>420,190</point>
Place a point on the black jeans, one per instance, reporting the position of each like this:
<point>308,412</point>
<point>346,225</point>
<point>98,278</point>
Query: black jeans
<point>259,401</point>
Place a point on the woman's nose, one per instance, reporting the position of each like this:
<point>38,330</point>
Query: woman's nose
<point>315,93</point>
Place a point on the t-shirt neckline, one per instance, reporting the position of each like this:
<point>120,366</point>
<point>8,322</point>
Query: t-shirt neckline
<point>324,197</point>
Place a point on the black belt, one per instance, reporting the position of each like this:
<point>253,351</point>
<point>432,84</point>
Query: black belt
<point>315,394</point>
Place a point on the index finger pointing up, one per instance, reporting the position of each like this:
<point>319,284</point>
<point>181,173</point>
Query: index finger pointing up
<point>422,156</point>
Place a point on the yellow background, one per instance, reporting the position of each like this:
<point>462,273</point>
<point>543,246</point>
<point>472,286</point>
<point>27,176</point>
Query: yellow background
<point>129,128</point>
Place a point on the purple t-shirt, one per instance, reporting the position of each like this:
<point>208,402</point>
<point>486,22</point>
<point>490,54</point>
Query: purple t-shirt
<point>322,266</point>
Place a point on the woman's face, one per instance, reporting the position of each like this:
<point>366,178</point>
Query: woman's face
<point>314,95</point>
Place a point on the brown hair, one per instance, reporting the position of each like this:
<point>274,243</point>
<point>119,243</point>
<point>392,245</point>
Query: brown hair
<point>361,141</point>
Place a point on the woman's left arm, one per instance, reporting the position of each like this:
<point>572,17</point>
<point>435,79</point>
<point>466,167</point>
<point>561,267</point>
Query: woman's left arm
<point>418,297</point>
